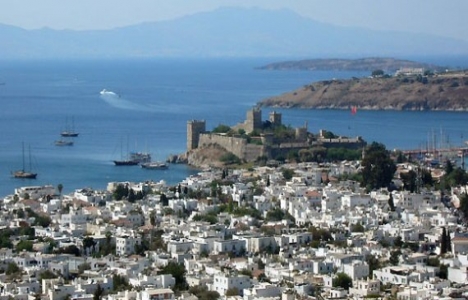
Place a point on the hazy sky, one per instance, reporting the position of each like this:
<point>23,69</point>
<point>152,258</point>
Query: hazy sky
<point>441,17</point>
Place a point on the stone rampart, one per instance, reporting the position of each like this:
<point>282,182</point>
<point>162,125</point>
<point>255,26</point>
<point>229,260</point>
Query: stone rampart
<point>238,146</point>
<point>349,143</point>
<point>250,152</point>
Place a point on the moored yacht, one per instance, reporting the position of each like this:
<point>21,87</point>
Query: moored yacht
<point>156,165</point>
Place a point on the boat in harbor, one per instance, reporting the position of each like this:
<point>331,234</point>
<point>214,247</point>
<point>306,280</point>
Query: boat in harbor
<point>69,131</point>
<point>155,165</point>
<point>66,133</point>
<point>140,157</point>
<point>23,174</point>
<point>134,158</point>
<point>63,143</point>
<point>125,162</point>
<point>105,92</point>
<point>131,159</point>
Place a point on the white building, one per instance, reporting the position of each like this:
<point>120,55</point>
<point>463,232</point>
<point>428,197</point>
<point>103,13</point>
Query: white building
<point>125,245</point>
<point>179,246</point>
<point>262,290</point>
<point>157,294</point>
<point>365,288</point>
<point>35,192</point>
<point>356,270</point>
<point>394,275</point>
<point>74,217</point>
<point>158,281</point>
<point>224,282</point>
<point>352,200</point>
<point>92,196</point>
<point>229,246</point>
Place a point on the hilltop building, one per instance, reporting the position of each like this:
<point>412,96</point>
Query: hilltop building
<point>256,138</point>
<point>409,71</point>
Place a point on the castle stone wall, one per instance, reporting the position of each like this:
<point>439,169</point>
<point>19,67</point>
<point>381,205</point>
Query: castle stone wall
<point>231,144</point>
<point>252,152</point>
<point>238,146</point>
<point>348,143</point>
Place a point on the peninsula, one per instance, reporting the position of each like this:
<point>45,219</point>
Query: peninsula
<point>408,89</point>
<point>362,64</point>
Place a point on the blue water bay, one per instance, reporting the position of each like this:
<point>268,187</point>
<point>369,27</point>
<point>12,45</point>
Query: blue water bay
<point>149,110</point>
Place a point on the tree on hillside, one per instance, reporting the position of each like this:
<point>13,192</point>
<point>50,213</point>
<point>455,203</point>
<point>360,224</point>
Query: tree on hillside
<point>378,72</point>
<point>463,207</point>
<point>120,192</point>
<point>202,292</point>
<point>221,128</point>
<point>391,203</point>
<point>373,263</point>
<point>457,177</point>
<point>342,280</point>
<point>377,167</point>
<point>163,199</point>
<point>409,180</point>
<point>426,177</point>
<point>178,272</point>
<point>449,242</point>
<point>448,167</point>
<point>60,188</point>
<point>395,257</point>
<point>443,241</point>
<point>287,173</point>
<point>97,295</point>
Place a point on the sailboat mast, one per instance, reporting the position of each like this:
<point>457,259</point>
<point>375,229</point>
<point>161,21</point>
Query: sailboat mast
<point>30,167</point>
<point>128,154</point>
<point>23,156</point>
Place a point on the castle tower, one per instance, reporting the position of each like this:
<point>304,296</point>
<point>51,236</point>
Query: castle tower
<point>301,134</point>
<point>254,120</point>
<point>275,118</point>
<point>194,128</point>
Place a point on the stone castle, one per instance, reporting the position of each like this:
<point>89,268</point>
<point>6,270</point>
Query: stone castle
<point>265,143</point>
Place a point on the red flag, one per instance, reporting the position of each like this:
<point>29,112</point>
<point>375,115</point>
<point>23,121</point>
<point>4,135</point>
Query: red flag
<point>353,110</point>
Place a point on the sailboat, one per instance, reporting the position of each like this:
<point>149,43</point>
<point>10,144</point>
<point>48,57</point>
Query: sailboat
<point>69,131</point>
<point>140,157</point>
<point>128,161</point>
<point>155,165</point>
<point>63,142</point>
<point>25,174</point>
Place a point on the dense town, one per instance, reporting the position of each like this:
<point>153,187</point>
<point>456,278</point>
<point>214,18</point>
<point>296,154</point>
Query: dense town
<point>272,231</point>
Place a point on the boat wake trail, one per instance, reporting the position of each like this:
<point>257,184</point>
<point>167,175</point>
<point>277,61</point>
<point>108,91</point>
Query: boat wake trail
<point>117,101</point>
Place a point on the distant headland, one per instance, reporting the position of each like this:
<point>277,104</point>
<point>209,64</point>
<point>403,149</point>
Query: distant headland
<point>389,65</point>
<point>408,88</point>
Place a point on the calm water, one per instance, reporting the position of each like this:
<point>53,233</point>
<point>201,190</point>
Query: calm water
<point>149,113</point>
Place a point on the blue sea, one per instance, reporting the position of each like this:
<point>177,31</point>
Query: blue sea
<point>153,101</point>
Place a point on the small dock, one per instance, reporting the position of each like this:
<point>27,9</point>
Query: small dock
<point>453,150</point>
<point>438,156</point>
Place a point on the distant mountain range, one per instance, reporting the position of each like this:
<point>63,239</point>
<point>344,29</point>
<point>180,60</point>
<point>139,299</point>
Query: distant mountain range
<point>225,32</point>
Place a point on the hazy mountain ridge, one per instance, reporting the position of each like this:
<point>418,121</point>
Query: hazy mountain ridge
<point>389,65</point>
<point>225,32</point>
<point>443,92</point>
